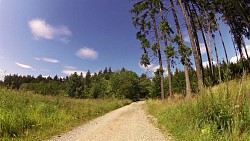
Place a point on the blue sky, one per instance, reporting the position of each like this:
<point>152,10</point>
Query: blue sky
<point>52,37</point>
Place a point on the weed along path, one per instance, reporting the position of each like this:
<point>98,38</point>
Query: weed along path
<point>129,123</point>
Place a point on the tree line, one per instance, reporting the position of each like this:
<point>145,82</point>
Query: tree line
<point>119,84</point>
<point>152,18</point>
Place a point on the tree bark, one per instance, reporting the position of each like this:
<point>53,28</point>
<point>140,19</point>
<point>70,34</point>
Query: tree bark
<point>235,49</point>
<point>159,58</point>
<point>168,59</point>
<point>200,75</point>
<point>217,57</point>
<point>196,56</point>
<point>222,40</point>
<point>187,79</point>
<point>206,46</point>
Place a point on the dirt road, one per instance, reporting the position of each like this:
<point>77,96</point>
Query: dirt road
<point>129,123</point>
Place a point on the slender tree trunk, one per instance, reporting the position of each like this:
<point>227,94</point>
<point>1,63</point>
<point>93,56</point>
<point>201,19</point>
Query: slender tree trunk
<point>168,59</point>
<point>205,42</point>
<point>217,57</point>
<point>222,40</point>
<point>196,56</point>
<point>159,58</point>
<point>187,79</point>
<point>244,45</point>
<point>200,75</point>
<point>235,49</point>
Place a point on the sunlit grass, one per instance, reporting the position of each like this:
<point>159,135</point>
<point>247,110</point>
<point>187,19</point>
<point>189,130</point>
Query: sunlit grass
<point>218,113</point>
<point>26,116</point>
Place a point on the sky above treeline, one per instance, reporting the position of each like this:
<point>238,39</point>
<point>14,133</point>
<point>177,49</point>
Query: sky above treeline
<point>59,37</point>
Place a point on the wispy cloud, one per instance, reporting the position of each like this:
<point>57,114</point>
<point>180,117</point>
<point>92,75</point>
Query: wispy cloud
<point>24,66</point>
<point>202,48</point>
<point>70,67</point>
<point>42,30</point>
<point>69,72</point>
<point>234,58</point>
<point>152,68</point>
<point>87,53</point>
<point>186,39</point>
<point>50,60</point>
<point>206,64</point>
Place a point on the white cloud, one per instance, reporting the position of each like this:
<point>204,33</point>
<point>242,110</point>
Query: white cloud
<point>36,58</point>
<point>70,67</point>
<point>69,72</point>
<point>202,48</point>
<point>50,60</point>
<point>148,68</point>
<point>42,30</point>
<point>186,39</point>
<point>25,66</point>
<point>87,53</point>
<point>206,64</point>
<point>152,68</point>
<point>234,58</point>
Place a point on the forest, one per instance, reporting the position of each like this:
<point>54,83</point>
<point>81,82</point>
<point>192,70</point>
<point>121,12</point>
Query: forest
<point>161,40</point>
<point>119,84</point>
<point>201,20</point>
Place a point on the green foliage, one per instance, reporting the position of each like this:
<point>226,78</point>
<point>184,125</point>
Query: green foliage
<point>219,113</point>
<point>125,84</point>
<point>46,88</point>
<point>183,50</point>
<point>75,86</point>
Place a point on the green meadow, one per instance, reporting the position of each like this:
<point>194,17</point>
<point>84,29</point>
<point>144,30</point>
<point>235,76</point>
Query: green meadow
<point>28,116</point>
<point>219,113</point>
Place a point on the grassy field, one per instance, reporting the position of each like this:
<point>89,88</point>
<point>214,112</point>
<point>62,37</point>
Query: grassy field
<point>27,116</point>
<point>219,113</point>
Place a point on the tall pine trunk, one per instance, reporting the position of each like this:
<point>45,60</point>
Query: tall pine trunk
<point>187,79</point>
<point>217,57</point>
<point>200,75</point>
<point>159,58</point>
<point>235,49</point>
<point>168,58</point>
<point>189,28</point>
<point>222,40</point>
<point>244,45</point>
<point>206,46</point>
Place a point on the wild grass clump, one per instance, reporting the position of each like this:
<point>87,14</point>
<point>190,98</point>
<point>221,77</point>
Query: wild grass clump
<point>26,116</point>
<point>219,113</point>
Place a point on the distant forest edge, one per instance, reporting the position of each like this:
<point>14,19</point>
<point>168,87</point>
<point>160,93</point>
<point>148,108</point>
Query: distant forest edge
<point>118,84</point>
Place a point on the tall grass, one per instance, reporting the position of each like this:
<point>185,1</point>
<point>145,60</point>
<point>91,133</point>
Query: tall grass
<point>219,113</point>
<point>26,116</point>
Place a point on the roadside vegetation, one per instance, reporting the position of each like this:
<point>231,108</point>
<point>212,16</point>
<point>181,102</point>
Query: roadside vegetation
<point>219,113</point>
<point>28,116</point>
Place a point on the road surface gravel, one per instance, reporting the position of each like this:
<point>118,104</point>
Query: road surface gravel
<point>129,123</point>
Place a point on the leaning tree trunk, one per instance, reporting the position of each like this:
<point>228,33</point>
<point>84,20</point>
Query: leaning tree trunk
<point>189,28</point>
<point>187,79</point>
<point>244,45</point>
<point>217,57</point>
<point>206,46</point>
<point>235,50</point>
<point>201,74</point>
<point>159,58</point>
<point>168,59</point>
<point>222,40</point>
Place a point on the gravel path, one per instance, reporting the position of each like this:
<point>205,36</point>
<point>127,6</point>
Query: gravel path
<point>129,123</point>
